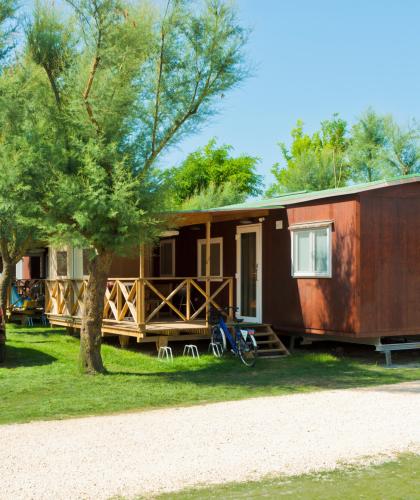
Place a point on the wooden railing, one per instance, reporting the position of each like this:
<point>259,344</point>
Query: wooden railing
<point>139,301</point>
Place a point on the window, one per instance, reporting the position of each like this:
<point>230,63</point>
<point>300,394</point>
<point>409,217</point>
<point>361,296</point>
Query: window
<point>216,257</point>
<point>311,250</point>
<point>167,257</point>
<point>62,263</point>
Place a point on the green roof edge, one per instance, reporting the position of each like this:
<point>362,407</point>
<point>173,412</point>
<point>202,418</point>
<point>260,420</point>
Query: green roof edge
<point>301,196</point>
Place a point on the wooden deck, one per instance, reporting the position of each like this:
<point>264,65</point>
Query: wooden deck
<point>142,307</point>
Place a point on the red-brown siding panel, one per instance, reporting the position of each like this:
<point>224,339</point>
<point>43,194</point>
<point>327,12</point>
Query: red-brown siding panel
<point>390,261</point>
<point>318,305</point>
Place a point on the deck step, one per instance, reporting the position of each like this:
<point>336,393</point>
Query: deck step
<point>270,351</point>
<point>266,337</point>
<point>272,346</point>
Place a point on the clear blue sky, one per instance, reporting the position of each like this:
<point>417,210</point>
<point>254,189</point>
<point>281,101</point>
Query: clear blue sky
<point>314,58</point>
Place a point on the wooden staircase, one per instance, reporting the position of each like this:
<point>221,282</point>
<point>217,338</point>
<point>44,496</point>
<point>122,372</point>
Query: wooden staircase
<point>269,345</point>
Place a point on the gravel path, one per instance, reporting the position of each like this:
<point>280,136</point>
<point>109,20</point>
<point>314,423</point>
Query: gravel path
<point>163,450</point>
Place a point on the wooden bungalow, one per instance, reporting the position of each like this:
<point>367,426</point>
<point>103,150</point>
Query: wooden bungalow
<point>342,262</point>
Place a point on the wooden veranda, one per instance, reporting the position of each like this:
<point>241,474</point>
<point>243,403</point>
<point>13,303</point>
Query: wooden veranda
<point>138,307</point>
<point>152,308</point>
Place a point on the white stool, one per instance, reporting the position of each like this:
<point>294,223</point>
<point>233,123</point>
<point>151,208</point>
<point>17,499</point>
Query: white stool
<point>191,350</point>
<point>216,349</point>
<point>165,353</point>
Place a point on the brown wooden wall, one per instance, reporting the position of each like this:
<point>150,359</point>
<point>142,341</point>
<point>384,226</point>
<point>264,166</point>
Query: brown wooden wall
<point>313,305</point>
<point>390,260</point>
<point>125,267</point>
<point>186,254</point>
<point>375,284</point>
<point>316,305</point>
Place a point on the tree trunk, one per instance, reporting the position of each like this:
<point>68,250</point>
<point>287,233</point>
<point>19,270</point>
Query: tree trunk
<point>90,334</point>
<point>5,280</point>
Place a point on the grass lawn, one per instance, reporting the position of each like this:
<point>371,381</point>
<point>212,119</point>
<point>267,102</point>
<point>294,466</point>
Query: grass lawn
<point>40,379</point>
<point>391,481</point>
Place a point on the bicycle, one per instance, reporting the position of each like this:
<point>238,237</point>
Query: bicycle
<point>242,344</point>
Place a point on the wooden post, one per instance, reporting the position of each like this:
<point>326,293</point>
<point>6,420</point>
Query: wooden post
<point>141,299</point>
<point>188,300</point>
<point>46,295</point>
<point>162,341</point>
<point>124,341</point>
<point>231,312</point>
<point>72,296</point>
<point>208,237</point>
<point>141,262</point>
<point>119,301</point>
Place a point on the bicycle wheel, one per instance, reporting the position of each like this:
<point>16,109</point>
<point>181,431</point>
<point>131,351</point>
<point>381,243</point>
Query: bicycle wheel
<point>247,349</point>
<point>218,337</point>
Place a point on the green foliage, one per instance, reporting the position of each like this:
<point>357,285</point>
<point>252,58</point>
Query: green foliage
<point>402,154</point>
<point>205,171</point>
<point>50,42</point>
<point>7,11</point>
<point>128,83</point>
<point>104,203</point>
<point>214,196</point>
<point>136,380</point>
<point>375,148</point>
<point>25,147</point>
<point>367,147</point>
<point>313,162</point>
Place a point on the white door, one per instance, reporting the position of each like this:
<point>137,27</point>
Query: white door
<point>249,272</point>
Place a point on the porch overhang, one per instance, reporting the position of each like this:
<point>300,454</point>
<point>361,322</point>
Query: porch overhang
<point>182,219</point>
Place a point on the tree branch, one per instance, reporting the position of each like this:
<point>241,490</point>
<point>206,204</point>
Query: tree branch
<point>87,92</point>
<point>54,87</point>
<point>158,84</point>
<point>192,110</point>
<point>159,80</point>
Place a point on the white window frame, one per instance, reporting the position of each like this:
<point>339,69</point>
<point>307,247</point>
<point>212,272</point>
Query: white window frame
<point>311,228</point>
<point>200,244</point>
<point>172,243</point>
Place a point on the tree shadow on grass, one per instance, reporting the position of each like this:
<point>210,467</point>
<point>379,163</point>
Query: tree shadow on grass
<point>34,330</point>
<point>18,357</point>
<point>292,374</point>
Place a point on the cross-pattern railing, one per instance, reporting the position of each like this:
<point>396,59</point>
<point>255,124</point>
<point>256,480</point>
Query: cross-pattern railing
<point>139,301</point>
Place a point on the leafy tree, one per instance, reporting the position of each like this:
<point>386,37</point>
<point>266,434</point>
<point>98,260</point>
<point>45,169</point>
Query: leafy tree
<point>19,164</point>
<point>24,146</point>
<point>127,85</point>
<point>334,144</point>
<point>208,169</point>
<point>367,147</point>
<point>214,196</point>
<point>402,152</point>
<point>313,162</point>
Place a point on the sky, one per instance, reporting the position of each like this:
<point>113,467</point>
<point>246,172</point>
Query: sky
<point>313,58</point>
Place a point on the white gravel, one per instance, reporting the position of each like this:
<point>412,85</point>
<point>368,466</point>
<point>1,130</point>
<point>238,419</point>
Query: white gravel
<point>164,450</point>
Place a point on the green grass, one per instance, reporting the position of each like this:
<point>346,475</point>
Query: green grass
<point>41,379</point>
<point>391,481</point>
